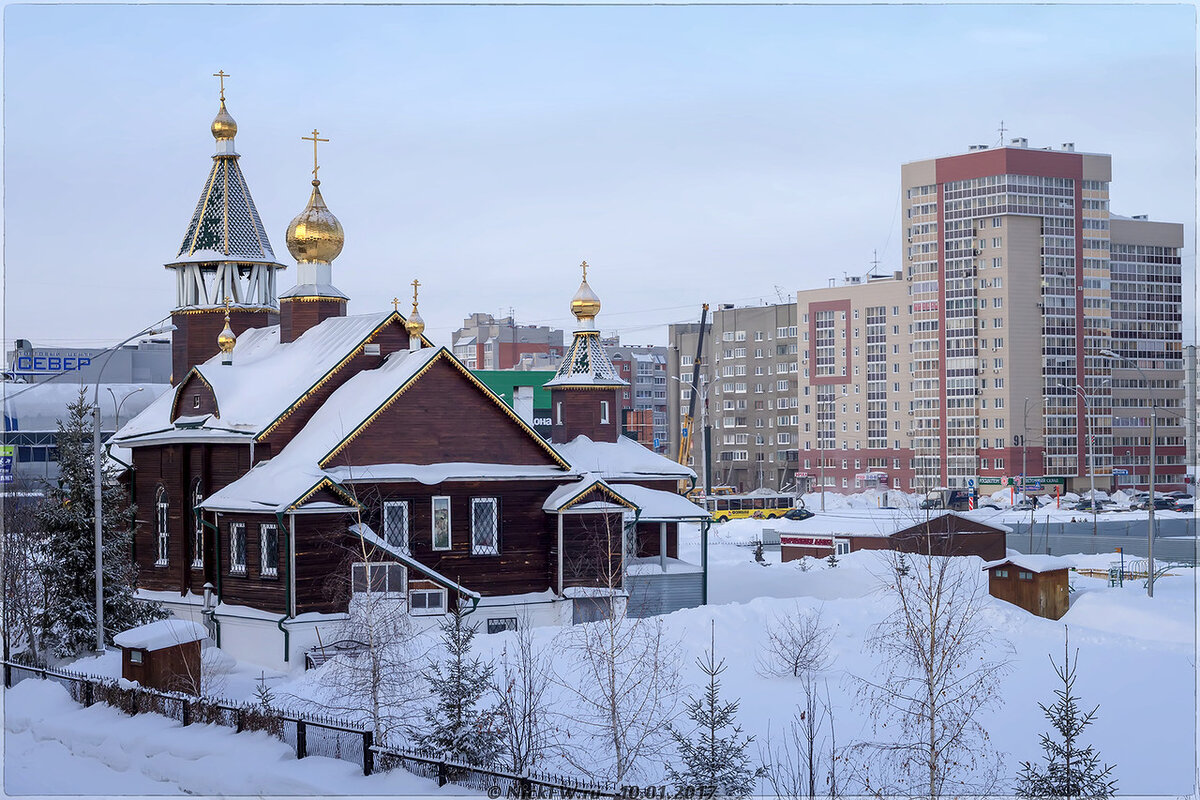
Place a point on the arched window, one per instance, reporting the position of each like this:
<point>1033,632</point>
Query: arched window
<point>161,507</point>
<point>197,527</point>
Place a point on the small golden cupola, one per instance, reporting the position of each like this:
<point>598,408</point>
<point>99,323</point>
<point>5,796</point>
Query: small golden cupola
<point>223,127</point>
<point>414,324</point>
<point>226,339</point>
<point>585,305</point>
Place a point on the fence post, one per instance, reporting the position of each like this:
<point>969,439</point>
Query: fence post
<point>89,696</point>
<point>7,675</point>
<point>187,712</point>
<point>368,755</point>
<point>442,778</point>
<point>237,719</point>
<point>524,787</point>
<point>301,739</point>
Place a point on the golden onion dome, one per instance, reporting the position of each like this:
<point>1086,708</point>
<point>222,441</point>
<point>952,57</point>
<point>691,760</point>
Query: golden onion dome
<point>315,234</point>
<point>223,126</point>
<point>226,340</point>
<point>414,324</point>
<point>585,305</point>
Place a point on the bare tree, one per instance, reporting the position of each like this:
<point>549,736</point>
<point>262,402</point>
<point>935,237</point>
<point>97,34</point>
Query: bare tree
<point>622,681</point>
<point>25,589</point>
<point>797,644</point>
<point>523,679</point>
<point>938,673</point>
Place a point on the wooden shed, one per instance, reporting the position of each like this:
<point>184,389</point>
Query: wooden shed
<point>943,533</point>
<point>1037,584</point>
<point>163,655</point>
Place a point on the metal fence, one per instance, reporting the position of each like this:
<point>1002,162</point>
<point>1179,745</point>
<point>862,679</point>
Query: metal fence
<point>494,783</point>
<point>1174,541</point>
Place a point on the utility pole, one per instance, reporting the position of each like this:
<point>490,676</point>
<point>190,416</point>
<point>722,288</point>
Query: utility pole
<point>1024,464</point>
<point>706,440</point>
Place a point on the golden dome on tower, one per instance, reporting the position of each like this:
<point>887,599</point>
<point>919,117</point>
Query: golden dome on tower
<point>585,305</point>
<point>315,234</point>
<point>414,324</point>
<point>225,339</point>
<point>223,126</point>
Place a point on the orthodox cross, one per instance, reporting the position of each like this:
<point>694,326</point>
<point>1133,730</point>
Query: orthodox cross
<point>415,284</point>
<point>314,139</point>
<point>395,303</point>
<point>222,74</point>
<point>584,265</point>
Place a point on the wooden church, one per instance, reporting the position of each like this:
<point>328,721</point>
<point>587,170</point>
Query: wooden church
<point>306,455</point>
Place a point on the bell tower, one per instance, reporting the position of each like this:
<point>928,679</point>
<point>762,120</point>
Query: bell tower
<point>225,253</point>
<point>583,394</point>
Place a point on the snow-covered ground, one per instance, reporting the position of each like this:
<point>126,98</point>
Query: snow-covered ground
<point>1136,659</point>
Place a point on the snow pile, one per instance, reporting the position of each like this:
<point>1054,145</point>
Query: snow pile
<point>164,633</point>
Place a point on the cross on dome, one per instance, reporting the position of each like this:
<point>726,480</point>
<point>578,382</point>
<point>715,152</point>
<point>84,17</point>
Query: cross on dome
<point>314,139</point>
<point>222,75</point>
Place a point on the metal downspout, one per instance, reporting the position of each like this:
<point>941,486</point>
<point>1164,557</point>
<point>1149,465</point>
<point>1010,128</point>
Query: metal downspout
<point>287,589</point>
<point>217,546</point>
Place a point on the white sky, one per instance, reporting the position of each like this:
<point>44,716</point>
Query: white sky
<point>690,154</point>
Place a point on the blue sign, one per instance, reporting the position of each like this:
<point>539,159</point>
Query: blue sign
<point>685,431</point>
<point>46,364</point>
<point>656,442</point>
<point>1117,471</point>
<point>970,482</point>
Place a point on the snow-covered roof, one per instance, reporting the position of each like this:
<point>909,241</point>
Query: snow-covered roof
<point>659,506</point>
<point>910,522</point>
<point>1032,563</point>
<point>161,634</point>
<point>225,222</point>
<point>39,406</point>
<point>586,363</point>
<point>430,474</point>
<point>314,290</point>
<point>371,537</point>
<point>624,459</point>
<point>266,377</point>
<point>566,497</point>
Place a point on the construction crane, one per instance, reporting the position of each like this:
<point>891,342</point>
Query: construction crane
<point>685,423</point>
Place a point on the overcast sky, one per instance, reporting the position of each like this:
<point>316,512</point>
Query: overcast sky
<point>690,154</point>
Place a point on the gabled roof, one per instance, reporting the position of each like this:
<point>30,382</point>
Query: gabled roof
<point>225,225</point>
<point>267,379</point>
<point>570,496</point>
<point>623,460</point>
<point>656,505</point>
<point>1032,563</point>
<point>941,521</point>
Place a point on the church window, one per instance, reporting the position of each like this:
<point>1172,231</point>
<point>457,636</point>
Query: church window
<point>268,539</point>
<point>386,578</point>
<point>195,401</point>
<point>162,507</point>
<point>558,413</point>
<point>485,526</point>
<point>395,524</point>
<point>425,602</point>
<point>603,412</point>
<point>441,523</point>
<point>197,527</point>
<point>237,548</point>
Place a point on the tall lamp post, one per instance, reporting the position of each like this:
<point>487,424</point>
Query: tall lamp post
<point>1091,448</point>
<point>1113,355</point>
<point>117,406</point>
<point>706,458</point>
<point>98,476</point>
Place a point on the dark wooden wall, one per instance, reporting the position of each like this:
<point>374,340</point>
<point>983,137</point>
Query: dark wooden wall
<point>581,415</point>
<point>251,588</point>
<point>442,417</point>
<point>194,388</point>
<point>173,669</point>
<point>297,316</point>
<point>194,340</point>
<point>648,539</point>
<point>1045,594</point>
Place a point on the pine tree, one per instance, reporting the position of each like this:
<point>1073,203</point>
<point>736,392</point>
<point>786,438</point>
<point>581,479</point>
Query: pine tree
<point>832,561</point>
<point>454,725</point>
<point>262,692</point>
<point>1070,770</point>
<point>67,516</point>
<point>715,761</point>
<point>902,565</point>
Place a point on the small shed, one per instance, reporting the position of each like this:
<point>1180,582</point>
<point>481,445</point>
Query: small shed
<point>163,655</point>
<point>1037,584</point>
<point>942,533</point>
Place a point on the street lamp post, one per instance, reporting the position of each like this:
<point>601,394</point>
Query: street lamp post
<point>1153,435</point>
<point>117,406</point>
<point>1091,446</point>
<point>98,476</point>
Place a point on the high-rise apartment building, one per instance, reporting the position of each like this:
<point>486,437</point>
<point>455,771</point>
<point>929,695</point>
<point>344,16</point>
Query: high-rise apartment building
<point>986,357</point>
<point>750,365</point>
<point>484,342</point>
<point>645,368</point>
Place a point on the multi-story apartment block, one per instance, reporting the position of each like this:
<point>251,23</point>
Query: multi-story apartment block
<point>750,366</point>
<point>484,342</point>
<point>645,368</point>
<point>986,356</point>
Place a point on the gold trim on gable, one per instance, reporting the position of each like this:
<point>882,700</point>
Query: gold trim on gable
<point>324,483</point>
<point>221,310</point>
<point>602,488</point>
<point>312,298</point>
<point>179,391</point>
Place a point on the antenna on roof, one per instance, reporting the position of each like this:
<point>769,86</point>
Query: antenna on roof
<point>1003,130</point>
<point>779,293</point>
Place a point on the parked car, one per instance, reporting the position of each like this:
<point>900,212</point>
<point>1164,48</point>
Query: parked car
<point>1186,504</point>
<point>989,504</point>
<point>1086,505</point>
<point>1178,495</point>
<point>798,514</point>
<point>1160,504</point>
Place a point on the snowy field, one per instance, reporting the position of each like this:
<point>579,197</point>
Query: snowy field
<point>1136,659</point>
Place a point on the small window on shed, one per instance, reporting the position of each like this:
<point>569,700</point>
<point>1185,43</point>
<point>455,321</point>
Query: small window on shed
<point>135,656</point>
<point>1025,576</point>
<point>1001,573</point>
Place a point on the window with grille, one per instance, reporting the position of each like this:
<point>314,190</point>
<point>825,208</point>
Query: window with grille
<point>237,548</point>
<point>268,536</point>
<point>395,525</point>
<point>162,508</point>
<point>485,526</point>
<point>386,578</point>
<point>501,624</point>
<point>197,527</point>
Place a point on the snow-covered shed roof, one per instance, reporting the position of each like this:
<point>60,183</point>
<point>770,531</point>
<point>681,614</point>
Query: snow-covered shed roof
<point>371,537</point>
<point>659,506</point>
<point>568,496</point>
<point>431,474</point>
<point>623,459</point>
<point>1031,563</point>
<point>162,634</point>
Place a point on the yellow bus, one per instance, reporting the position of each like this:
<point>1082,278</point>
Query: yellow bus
<point>759,504</point>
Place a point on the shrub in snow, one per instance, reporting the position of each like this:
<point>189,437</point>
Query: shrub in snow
<point>524,702</point>
<point>714,755</point>
<point>797,644</point>
<point>66,515</point>
<point>455,725</point>
<point>1069,769</point>
<point>832,561</point>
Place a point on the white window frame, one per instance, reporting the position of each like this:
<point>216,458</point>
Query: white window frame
<point>237,533</point>
<point>268,568</point>
<point>162,507</point>
<point>493,549</point>
<point>425,610</point>
<point>360,576</point>
<point>434,502</point>
<point>604,412</point>
<point>198,527</point>
<point>398,539</point>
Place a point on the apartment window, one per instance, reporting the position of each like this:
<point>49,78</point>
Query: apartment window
<point>999,463</point>
<point>427,602</point>
<point>995,222</point>
<point>485,526</point>
<point>268,546</point>
<point>758,336</point>
<point>380,578</point>
<point>603,412</point>
<point>441,522</point>
<point>162,508</point>
<point>237,548</point>
<point>727,336</point>
<point>997,302</point>
<point>395,524</point>
<point>197,526</point>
